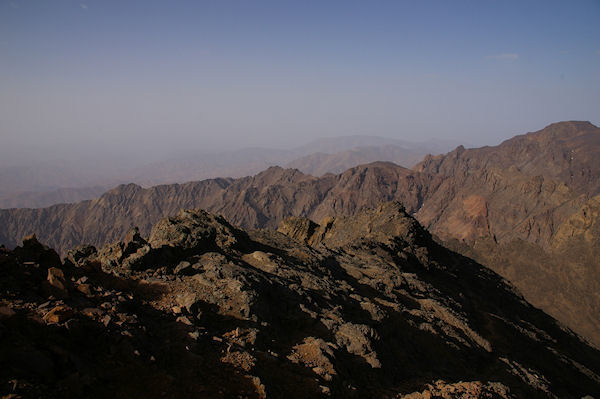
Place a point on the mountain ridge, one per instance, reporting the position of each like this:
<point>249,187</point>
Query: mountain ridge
<point>51,182</point>
<point>373,307</point>
<point>490,204</point>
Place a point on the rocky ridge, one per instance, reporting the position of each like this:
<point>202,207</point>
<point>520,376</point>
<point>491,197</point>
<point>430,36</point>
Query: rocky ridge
<point>360,306</point>
<point>525,208</point>
<point>37,185</point>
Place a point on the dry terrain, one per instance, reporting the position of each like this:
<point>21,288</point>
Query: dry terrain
<point>527,208</point>
<point>357,307</point>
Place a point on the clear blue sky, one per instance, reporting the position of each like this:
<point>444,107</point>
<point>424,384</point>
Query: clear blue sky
<point>100,75</point>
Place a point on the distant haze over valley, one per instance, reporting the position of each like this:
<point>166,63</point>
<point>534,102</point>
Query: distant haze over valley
<point>63,181</point>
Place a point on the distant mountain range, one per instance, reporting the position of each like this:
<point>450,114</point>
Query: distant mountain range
<point>49,183</point>
<point>319,164</point>
<point>40,199</point>
<point>528,208</point>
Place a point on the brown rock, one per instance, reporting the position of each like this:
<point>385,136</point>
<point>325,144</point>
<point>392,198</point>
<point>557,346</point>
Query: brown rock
<point>81,255</point>
<point>465,390</point>
<point>358,339</point>
<point>374,308</point>
<point>316,354</point>
<point>133,241</point>
<point>106,320</point>
<point>176,309</point>
<point>183,268</point>
<point>301,229</point>
<point>58,284</point>
<point>184,320</point>
<point>6,311</point>
<point>263,261</point>
<point>58,314</point>
<point>85,289</point>
<point>194,231</point>
<point>92,312</point>
<point>34,251</point>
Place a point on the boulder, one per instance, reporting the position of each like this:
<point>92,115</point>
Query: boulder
<point>34,251</point>
<point>58,314</point>
<point>57,284</point>
<point>81,256</point>
<point>298,228</point>
<point>194,232</point>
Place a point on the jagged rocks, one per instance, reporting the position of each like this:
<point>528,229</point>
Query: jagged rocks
<point>189,234</point>
<point>80,255</point>
<point>316,354</point>
<point>298,228</point>
<point>267,262</point>
<point>194,232</point>
<point>57,283</point>
<point>133,242</point>
<point>373,307</point>
<point>462,390</point>
<point>389,224</point>
<point>58,314</point>
<point>33,251</point>
<point>358,340</point>
<point>184,268</point>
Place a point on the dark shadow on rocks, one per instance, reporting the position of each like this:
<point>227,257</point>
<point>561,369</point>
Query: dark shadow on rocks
<point>497,311</point>
<point>151,355</point>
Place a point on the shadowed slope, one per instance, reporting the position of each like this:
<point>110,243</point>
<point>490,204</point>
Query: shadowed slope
<point>372,308</point>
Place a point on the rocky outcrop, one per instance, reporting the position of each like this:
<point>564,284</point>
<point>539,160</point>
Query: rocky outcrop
<point>372,308</point>
<point>475,389</point>
<point>298,228</point>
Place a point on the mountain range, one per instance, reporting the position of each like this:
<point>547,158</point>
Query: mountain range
<point>527,208</point>
<point>42,184</point>
<point>362,306</point>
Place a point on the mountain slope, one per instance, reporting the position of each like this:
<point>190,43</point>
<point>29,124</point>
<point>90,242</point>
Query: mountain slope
<point>565,152</point>
<point>514,208</point>
<point>373,307</point>
<point>47,183</point>
<point>500,205</point>
<point>259,201</point>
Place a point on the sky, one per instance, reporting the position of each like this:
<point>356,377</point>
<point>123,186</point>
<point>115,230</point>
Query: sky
<point>147,78</point>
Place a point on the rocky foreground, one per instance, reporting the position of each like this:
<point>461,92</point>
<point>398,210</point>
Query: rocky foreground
<point>360,306</point>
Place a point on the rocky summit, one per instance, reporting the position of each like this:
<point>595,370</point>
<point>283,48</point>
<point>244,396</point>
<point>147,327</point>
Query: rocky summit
<point>361,306</point>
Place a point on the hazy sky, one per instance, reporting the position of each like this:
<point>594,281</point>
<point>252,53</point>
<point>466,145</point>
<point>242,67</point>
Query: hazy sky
<point>145,77</point>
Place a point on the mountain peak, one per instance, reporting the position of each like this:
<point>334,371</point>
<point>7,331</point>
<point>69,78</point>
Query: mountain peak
<point>564,131</point>
<point>277,173</point>
<point>571,125</point>
<point>124,190</point>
